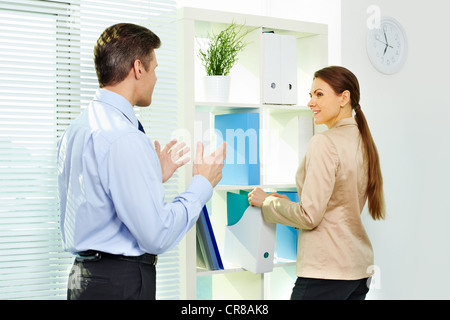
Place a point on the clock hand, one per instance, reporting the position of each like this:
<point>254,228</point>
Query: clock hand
<point>385,43</point>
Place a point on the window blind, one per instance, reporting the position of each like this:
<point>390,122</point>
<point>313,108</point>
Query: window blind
<point>47,78</point>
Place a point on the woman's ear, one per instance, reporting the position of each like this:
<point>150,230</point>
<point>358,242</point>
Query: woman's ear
<point>345,97</point>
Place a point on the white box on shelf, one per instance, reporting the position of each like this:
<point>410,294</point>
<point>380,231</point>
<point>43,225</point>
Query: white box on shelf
<point>250,242</point>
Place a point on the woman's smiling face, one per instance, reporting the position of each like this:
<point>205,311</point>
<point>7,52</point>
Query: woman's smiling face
<point>325,104</point>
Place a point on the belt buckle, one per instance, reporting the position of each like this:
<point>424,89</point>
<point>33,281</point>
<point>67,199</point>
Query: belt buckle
<point>91,257</point>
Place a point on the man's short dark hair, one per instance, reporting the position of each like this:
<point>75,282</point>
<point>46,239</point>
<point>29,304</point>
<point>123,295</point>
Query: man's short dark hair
<point>118,47</point>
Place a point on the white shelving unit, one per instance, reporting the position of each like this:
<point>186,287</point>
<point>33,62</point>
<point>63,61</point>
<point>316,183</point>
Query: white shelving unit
<point>284,133</point>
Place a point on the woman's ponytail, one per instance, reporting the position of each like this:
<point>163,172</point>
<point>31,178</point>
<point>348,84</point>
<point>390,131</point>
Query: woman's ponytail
<point>375,193</point>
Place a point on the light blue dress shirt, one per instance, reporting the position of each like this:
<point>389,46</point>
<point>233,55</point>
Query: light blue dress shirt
<point>110,185</point>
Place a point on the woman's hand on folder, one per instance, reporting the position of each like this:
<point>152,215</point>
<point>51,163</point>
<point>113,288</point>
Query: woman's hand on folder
<point>257,197</point>
<point>211,166</point>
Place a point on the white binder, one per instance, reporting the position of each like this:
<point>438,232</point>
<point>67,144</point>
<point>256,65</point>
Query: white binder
<point>271,57</point>
<point>288,70</point>
<point>279,69</point>
<point>250,242</point>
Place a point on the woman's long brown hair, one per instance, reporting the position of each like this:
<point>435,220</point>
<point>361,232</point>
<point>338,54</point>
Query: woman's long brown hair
<point>341,79</point>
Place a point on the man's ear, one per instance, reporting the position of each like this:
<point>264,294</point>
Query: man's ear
<point>137,69</point>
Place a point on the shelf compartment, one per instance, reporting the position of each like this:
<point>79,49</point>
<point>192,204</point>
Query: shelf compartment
<point>246,96</point>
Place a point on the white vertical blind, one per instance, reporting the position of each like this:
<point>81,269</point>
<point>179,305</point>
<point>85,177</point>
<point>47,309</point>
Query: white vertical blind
<point>47,77</point>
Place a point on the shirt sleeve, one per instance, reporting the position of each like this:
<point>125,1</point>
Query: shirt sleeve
<point>320,174</point>
<point>134,183</point>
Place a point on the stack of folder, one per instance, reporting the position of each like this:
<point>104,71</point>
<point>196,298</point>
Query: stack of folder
<point>250,242</point>
<point>208,255</point>
<point>279,81</point>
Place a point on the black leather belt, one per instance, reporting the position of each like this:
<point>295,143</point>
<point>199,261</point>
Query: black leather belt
<point>92,255</point>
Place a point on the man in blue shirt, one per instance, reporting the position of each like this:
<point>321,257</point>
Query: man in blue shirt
<point>110,177</point>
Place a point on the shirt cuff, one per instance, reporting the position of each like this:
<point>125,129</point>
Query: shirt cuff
<point>201,187</point>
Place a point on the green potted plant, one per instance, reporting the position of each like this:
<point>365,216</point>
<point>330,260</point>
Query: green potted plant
<point>218,59</point>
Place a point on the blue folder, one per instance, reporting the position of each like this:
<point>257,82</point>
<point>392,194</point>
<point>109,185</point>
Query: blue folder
<point>241,132</point>
<point>287,236</point>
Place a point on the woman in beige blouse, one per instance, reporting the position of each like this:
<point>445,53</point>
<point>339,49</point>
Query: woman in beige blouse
<point>339,172</point>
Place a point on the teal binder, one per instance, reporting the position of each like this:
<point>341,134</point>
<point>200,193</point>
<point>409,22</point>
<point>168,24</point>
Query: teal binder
<point>237,203</point>
<point>241,132</point>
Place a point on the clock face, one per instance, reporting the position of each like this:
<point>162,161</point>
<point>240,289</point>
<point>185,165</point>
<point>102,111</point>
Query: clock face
<point>387,46</point>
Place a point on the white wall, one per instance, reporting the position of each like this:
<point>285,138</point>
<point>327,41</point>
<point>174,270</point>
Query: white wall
<point>408,114</point>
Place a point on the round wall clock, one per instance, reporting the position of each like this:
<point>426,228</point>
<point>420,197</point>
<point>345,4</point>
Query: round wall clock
<point>387,46</point>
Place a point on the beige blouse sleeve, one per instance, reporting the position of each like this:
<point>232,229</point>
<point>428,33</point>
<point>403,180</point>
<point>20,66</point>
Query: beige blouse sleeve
<point>320,166</point>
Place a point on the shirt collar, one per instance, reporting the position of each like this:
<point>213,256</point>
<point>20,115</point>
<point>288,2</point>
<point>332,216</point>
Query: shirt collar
<point>117,101</point>
<point>345,122</point>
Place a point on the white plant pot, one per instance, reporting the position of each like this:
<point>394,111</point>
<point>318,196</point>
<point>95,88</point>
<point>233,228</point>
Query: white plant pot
<point>217,88</point>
